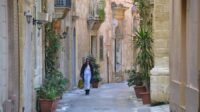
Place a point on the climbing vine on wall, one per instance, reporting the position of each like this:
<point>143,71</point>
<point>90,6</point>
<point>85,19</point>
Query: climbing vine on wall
<point>100,9</point>
<point>52,45</point>
<point>144,8</point>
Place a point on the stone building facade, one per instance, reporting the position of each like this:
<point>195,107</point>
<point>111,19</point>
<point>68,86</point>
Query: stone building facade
<point>98,38</point>
<point>9,69</point>
<point>184,55</point>
<point>160,72</point>
<point>22,54</point>
<point>22,45</point>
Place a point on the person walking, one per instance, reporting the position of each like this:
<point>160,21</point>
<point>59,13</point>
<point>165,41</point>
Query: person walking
<point>86,75</point>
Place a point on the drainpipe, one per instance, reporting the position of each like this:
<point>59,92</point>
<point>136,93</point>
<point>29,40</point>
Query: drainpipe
<point>115,56</point>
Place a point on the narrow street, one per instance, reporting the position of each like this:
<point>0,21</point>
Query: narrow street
<point>113,97</point>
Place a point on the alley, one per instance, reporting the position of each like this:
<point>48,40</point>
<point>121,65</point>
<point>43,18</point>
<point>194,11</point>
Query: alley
<point>113,97</point>
<point>46,45</point>
<point>107,98</point>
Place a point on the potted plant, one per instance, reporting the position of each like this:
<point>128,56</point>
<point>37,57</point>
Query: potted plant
<point>47,96</point>
<point>135,78</point>
<point>96,78</point>
<point>143,42</point>
<point>144,59</point>
<point>54,83</point>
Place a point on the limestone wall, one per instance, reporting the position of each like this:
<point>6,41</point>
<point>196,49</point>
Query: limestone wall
<point>106,30</point>
<point>160,73</point>
<point>184,56</point>
<point>82,33</point>
<point>84,40</point>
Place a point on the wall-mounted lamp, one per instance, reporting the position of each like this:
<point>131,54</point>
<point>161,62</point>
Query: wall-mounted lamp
<point>28,16</point>
<point>42,18</point>
<point>38,22</point>
<point>65,33</point>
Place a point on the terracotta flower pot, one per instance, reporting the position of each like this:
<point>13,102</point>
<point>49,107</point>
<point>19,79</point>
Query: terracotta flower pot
<point>95,84</point>
<point>48,105</point>
<point>145,97</point>
<point>138,90</point>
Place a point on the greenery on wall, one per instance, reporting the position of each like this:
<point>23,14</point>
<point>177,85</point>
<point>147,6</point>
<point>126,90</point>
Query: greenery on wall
<point>144,9</point>
<point>100,10</point>
<point>101,14</point>
<point>54,82</point>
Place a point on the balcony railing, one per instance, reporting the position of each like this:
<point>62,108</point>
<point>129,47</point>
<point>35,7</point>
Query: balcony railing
<point>95,7</point>
<point>63,3</point>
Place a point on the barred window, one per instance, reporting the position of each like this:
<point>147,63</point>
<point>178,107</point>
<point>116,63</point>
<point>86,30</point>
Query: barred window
<point>101,48</point>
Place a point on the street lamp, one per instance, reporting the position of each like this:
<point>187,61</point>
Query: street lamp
<point>28,16</point>
<point>65,33</point>
<point>43,18</point>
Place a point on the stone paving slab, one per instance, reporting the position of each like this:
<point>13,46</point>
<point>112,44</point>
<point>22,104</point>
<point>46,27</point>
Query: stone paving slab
<point>146,108</point>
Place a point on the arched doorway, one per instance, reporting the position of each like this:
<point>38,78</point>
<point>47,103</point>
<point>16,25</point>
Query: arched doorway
<point>118,50</point>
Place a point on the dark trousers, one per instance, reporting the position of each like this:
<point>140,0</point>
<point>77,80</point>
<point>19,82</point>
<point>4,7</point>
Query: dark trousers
<point>87,92</point>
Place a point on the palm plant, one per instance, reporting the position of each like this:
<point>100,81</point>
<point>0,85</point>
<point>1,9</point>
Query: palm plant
<point>145,57</point>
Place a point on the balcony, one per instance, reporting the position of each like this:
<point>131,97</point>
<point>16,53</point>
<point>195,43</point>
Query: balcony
<point>96,14</point>
<point>62,7</point>
<point>118,11</point>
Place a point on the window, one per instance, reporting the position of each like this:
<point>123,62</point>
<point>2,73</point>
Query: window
<point>101,48</point>
<point>94,46</point>
<point>63,3</point>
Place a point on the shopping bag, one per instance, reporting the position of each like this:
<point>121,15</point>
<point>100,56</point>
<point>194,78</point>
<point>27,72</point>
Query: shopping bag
<point>80,84</point>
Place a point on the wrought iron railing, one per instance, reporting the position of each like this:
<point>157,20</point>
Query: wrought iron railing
<point>95,7</point>
<point>63,3</point>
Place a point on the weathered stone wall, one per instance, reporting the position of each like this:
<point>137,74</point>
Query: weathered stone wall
<point>9,57</point>
<point>106,30</point>
<point>160,73</point>
<point>82,33</point>
<point>26,63</point>
<point>184,56</point>
<point>3,53</point>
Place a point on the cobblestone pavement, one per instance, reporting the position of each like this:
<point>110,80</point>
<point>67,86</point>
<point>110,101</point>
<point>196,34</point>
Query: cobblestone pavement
<point>113,97</point>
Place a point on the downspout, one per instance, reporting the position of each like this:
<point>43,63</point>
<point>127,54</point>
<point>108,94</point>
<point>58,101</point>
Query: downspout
<point>19,59</point>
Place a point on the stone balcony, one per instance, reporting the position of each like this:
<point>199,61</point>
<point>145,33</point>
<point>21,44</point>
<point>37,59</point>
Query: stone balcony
<point>96,15</point>
<point>62,7</point>
<point>118,10</point>
<point>94,23</point>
